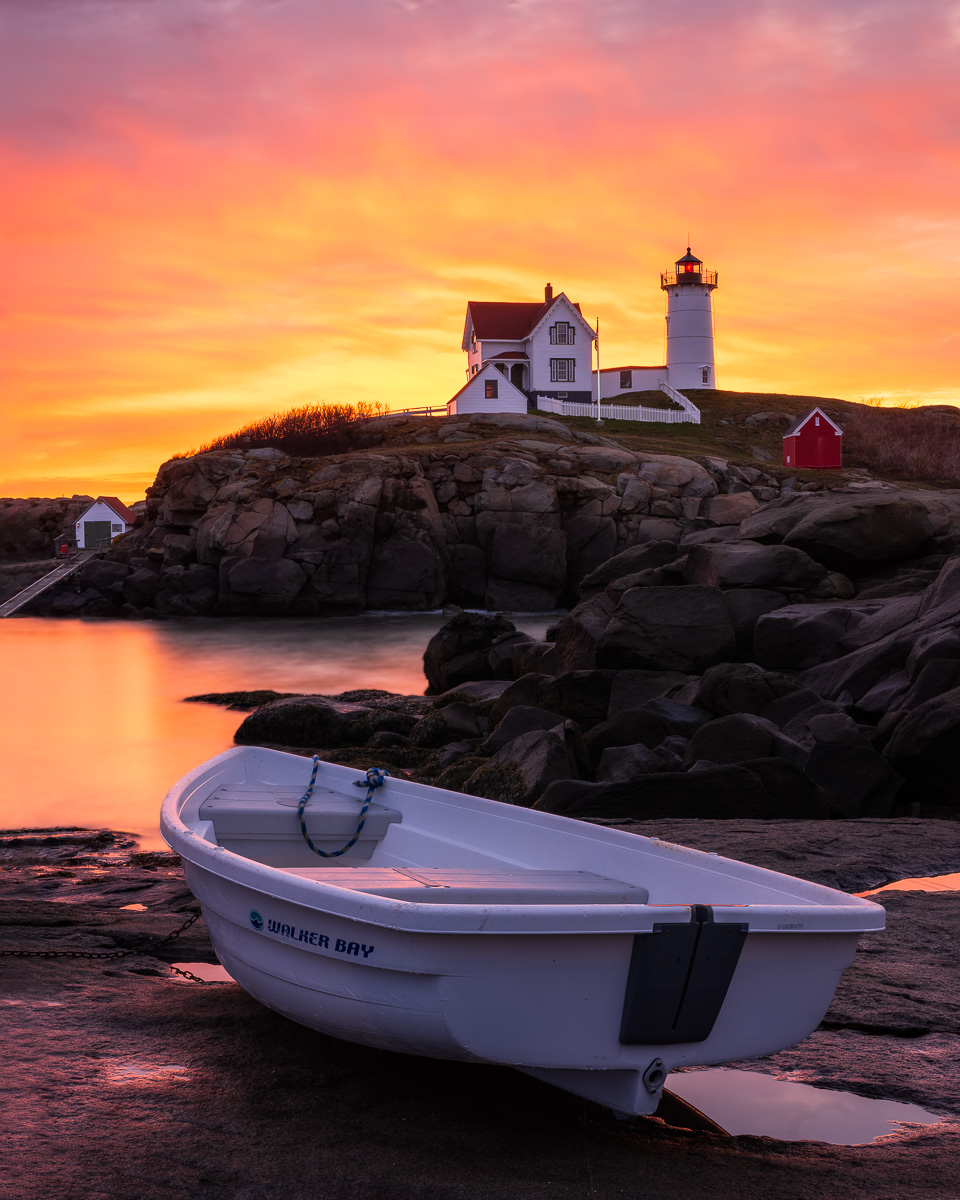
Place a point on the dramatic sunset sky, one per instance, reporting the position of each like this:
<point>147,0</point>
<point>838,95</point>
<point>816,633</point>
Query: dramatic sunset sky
<point>214,209</point>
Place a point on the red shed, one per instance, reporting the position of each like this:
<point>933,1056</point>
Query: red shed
<point>813,441</point>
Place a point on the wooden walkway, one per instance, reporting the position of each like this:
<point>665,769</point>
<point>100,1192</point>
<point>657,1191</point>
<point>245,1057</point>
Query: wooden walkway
<point>59,573</point>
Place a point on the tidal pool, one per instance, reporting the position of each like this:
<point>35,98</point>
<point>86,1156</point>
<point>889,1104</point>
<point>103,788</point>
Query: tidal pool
<point>750,1102</point>
<point>93,728</point>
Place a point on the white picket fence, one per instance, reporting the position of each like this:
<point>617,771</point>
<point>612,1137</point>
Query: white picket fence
<point>619,412</point>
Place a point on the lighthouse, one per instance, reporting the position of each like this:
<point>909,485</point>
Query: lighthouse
<point>689,323</point>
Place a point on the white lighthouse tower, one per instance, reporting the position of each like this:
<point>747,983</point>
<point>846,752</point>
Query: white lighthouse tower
<point>689,323</point>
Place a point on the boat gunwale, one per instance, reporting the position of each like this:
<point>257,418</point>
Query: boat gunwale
<point>855,915</point>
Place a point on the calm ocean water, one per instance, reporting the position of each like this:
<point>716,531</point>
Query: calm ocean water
<point>93,728</point>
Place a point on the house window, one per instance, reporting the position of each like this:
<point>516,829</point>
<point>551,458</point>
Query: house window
<point>562,334</point>
<point>116,529</point>
<point>705,372</point>
<point>490,389</point>
<point>473,342</point>
<point>816,420</point>
<point>626,379</point>
<point>474,369</point>
<point>562,370</point>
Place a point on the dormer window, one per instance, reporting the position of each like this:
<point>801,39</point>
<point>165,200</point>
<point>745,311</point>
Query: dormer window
<point>562,334</point>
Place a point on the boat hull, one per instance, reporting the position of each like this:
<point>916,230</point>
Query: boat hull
<point>555,989</point>
<point>548,1004</point>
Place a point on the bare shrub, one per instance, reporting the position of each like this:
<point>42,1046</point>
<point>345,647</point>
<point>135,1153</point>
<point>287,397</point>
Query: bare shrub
<point>309,430</point>
<point>907,443</point>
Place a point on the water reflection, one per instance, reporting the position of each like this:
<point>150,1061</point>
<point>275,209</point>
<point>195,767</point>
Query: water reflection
<point>924,883</point>
<point>208,972</point>
<point>92,726</point>
<point>750,1102</point>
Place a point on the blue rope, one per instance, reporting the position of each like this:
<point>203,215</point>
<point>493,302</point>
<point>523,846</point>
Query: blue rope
<point>374,780</point>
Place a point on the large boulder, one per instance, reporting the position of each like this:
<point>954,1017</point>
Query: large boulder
<point>502,655</point>
<point>629,562</point>
<point>729,509</point>
<point>318,722</point>
<point>524,548</point>
<point>761,789</point>
<point>522,718</point>
<point>522,769</point>
<point>672,628</point>
<point>618,764</point>
<point>740,688</point>
<point>751,565</point>
<point>405,574</point>
<point>802,635</point>
<point>845,533</point>
<point>578,634</point>
<point>452,723</point>
<point>251,586</point>
<point>582,696</point>
<point>263,529</point>
<point>648,725</point>
<point>102,574</point>
<point>923,750</point>
<point>746,606</point>
<point>633,689</point>
<point>459,651</point>
<point>738,738</point>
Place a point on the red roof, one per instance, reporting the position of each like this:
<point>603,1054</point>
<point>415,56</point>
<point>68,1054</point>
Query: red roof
<point>512,354</point>
<point>119,508</point>
<point>505,321</point>
<point>814,412</point>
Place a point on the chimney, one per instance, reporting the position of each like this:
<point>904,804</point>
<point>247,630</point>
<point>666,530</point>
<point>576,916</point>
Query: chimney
<point>548,293</point>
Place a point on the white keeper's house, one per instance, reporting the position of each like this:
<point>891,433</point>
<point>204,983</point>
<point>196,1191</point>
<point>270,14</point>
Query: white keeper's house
<point>106,518</point>
<point>539,355</point>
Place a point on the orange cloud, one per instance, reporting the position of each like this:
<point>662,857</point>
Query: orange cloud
<point>213,211</point>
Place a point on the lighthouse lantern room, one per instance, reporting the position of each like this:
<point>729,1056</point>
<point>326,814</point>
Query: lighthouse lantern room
<point>690,361</point>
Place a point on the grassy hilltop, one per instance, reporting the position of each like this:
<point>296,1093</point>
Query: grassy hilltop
<point>919,445</point>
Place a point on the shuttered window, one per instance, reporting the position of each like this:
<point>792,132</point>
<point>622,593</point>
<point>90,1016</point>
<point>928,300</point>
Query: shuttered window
<point>562,334</point>
<point>562,370</point>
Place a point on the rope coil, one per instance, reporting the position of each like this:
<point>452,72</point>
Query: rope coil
<point>374,779</point>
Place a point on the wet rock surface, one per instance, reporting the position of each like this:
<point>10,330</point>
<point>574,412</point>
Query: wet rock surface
<point>125,1080</point>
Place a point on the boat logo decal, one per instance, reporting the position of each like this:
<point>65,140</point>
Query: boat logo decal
<point>310,937</point>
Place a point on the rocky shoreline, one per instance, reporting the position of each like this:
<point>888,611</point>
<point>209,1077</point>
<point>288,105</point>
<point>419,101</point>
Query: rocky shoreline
<point>869,730</point>
<point>498,511</point>
<point>125,1080</point>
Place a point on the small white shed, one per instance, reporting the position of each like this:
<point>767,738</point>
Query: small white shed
<point>489,391</point>
<point>104,520</point>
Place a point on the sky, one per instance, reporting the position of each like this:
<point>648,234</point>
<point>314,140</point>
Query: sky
<point>211,210</point>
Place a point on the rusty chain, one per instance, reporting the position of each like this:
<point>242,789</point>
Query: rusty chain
<point>146,948</point>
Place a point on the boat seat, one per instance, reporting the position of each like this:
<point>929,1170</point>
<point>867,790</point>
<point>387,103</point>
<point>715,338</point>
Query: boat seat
<point>477,885</point>
<point>260,822</point>
<point>265,810</point>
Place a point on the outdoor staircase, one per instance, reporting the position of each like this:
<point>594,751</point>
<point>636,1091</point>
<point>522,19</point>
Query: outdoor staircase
<point>59,573</point>
<point>679,398</point>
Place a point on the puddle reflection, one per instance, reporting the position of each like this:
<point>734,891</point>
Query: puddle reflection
<point>208,972</point>
<point>748,1102</point>
<point>924,883</point>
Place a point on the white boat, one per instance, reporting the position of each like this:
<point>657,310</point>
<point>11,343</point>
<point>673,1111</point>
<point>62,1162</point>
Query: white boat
<point>462,928</point>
